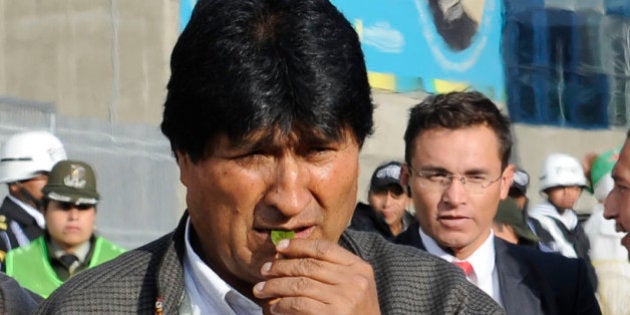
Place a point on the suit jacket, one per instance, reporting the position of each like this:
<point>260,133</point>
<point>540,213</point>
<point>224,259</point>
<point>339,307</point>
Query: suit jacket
<point>534,282</point>
<point>14,299</point>
<point>15,213</point>
<point>408,281</point>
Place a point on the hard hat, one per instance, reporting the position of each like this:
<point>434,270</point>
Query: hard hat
<point>561,170</point>
<point>601,180</point>
<point>26,154</point>
<point>72,181</point>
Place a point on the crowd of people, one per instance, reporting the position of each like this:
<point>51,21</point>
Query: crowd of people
<point>266,115</point>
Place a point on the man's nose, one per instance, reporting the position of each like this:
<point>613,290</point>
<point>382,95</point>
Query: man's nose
<point>609,207</point>
<point>73,213</point>
<point>289,192</point>
<point>455,193</point>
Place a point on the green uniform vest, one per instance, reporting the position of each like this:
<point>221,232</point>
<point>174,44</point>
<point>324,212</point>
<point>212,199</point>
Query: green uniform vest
<point>29,265</point>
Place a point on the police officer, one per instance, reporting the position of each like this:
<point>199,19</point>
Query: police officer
<point>68,245</point>
<point>25,160</point>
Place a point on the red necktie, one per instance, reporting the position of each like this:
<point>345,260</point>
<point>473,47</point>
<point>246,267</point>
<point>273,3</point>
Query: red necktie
<point>466,267</point>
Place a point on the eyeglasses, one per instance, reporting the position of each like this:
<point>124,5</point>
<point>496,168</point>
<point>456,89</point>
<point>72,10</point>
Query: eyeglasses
<point>440,181</point>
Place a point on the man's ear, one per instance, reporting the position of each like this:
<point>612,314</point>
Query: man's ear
<point>185,166</point>
<point>506,180</point>
<point>404,178</point>
<point>13,188</point>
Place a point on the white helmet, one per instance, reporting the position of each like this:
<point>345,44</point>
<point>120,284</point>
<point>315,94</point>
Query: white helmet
<point>25,154</point>
<point>561,170</point>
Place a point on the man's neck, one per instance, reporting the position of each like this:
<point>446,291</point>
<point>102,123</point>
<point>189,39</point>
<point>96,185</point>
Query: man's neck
<point>396,228</point>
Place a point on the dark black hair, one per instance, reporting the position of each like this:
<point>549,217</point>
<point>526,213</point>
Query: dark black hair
<point>458,110</point>
<point>247,65</point>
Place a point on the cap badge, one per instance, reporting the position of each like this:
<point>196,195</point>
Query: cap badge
<point>76,178</point>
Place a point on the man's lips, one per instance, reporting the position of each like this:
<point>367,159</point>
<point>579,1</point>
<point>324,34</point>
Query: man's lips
<point>300,232</point>
<point>620,228</point>
<point>72,228</point>
<point>625,241</point>
<point>452,220</point>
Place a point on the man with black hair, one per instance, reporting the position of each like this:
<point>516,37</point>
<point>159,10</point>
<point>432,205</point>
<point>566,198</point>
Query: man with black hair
<point>268,106</point>
<point>457,148</point>
<point>386,212</point>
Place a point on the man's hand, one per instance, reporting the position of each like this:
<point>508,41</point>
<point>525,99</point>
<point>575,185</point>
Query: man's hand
<point>317,277</point>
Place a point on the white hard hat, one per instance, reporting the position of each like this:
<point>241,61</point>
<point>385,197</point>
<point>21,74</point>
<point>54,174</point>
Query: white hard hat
<point>26,154</point>
<point>561,170</point>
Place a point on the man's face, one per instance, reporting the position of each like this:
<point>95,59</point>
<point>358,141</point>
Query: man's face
<point>617,204</point>
<point>31,186</point>
<point>240,192</point>
<point>68,224</point>
<point>390,202</point>
<point>564,197</point>
<point>455,216</point>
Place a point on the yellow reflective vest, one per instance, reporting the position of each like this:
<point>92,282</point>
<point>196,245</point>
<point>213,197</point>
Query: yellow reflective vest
<point>29,265</point>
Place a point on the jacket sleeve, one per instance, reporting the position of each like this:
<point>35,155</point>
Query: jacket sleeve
<point>585,297</point>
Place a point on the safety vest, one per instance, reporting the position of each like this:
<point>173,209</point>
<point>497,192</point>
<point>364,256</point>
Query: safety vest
<point>29,265</point>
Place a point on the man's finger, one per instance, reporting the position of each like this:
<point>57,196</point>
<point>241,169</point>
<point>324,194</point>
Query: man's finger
<point>318,249</point>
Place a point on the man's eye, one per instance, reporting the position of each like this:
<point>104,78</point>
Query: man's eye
<point>621,188</point>
<point>438,177</point>
<point>318,151</point>
<point>475,179</point>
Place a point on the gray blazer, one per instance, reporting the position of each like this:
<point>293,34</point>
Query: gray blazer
<point>408,281</point>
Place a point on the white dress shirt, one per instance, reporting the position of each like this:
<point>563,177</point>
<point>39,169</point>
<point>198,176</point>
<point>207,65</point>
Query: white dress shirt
<point>485,275</point>
<point>207,292</point>
<point>36,214</point>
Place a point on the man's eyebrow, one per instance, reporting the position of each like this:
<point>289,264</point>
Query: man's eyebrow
<point>439,169</point>
<point>436,169</point>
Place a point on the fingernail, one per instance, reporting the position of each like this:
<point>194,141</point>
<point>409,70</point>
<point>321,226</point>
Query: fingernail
<point>283,243</point>
<point>259,286</point>
<point>266,267</point>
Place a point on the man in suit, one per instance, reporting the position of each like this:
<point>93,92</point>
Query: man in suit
<point>457,148</point>
<point>267,108</point>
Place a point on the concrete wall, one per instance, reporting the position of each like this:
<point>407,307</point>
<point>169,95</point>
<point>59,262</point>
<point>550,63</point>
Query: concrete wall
<point>106,59</point>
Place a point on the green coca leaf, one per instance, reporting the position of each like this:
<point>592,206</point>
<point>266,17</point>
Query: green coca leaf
<point>278,235</point>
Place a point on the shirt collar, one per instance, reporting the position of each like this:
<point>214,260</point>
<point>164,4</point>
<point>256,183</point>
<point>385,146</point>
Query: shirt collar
<point>36,214</point>
<point>208,293</point>
<point>80,252</point>
<point>482,260</point>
